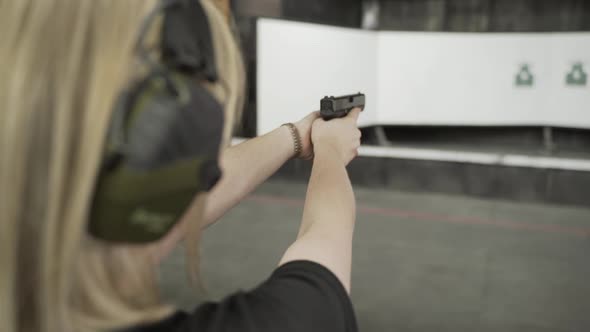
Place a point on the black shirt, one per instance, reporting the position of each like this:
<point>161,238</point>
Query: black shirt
<point>299,296</point>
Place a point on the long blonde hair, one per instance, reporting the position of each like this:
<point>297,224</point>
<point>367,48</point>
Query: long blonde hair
<point>62,64</point>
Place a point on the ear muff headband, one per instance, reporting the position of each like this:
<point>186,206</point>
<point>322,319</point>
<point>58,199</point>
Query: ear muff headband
<point>187,45</point>
<point>164,138</point>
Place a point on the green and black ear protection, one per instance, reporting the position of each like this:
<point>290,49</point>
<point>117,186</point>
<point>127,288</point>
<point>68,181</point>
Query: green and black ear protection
<point>165,133</point>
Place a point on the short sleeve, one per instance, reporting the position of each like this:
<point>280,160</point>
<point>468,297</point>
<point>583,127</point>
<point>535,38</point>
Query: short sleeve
<point>300,296</point>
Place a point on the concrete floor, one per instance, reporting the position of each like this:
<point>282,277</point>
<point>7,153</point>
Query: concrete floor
<point>422,262</point>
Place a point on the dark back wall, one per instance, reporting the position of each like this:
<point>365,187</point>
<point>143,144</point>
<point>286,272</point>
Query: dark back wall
<point>432,15</point>
<point>485,15</point>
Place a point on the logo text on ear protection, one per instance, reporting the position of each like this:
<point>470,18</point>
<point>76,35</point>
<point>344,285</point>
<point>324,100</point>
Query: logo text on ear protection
<point>152,222</point>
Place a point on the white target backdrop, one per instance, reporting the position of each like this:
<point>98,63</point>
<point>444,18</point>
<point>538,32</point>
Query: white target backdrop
<point>419,78</point>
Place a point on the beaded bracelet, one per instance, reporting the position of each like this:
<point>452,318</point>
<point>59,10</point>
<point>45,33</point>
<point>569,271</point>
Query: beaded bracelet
<point>296,139</point>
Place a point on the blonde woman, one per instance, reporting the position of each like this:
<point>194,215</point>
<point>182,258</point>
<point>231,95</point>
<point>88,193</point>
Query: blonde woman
<point>63,66</point>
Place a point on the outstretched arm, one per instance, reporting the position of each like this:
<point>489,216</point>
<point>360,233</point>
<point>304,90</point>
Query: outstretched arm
<point>325,235</point>
<point>247,165</point>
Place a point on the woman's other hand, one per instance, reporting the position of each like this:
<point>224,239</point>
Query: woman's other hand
<point>304,128</point>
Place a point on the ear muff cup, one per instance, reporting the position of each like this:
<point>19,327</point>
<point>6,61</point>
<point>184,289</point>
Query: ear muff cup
<point>142,206</point>
<point>163,149</point>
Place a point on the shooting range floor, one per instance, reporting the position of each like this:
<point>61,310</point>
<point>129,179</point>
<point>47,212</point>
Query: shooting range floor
<point>422,262</point>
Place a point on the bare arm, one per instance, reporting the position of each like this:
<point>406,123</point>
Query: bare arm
<point>244,167</point>
<point>325,235</point>
<point>326,231</point>
<point>247,165</point>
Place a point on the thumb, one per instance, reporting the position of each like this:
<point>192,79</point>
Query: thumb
<point>354,114</point>
<point>313,115</point>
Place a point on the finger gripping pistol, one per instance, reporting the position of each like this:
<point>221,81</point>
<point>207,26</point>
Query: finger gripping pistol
<point>337,107</point>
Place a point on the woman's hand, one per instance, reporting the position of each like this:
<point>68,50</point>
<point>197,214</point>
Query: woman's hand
<point>304,128</point>
<point>340,136</point>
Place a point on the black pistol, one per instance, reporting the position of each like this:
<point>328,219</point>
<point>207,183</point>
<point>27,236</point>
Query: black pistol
<point>337,107</point>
